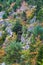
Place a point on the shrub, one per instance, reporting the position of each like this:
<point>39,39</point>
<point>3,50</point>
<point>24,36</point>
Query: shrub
<point>15,7</point>
<point>2,38</point>
<point>40,56</point>
<point>24,16</point>
<point>13,52</point>
<point>40,15</point>
<point>14,16</point>
<point>0,8</point>
<point>5,16</point>
<point>38,30</point>
<point>17,27</point>
<point>18,2</point>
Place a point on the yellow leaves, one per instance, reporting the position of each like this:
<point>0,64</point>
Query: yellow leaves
<point>10,38</point>
<point>28,13</point>
<point>33,61</point>
<point>14,37</point>
<point>25,53</point>
<point>15,64</point>
<point>2,52</point>
<point>35,24</point>
<point>38,41</point>
<point>41,24</point>
<point>34,53</point>
<point>27,25</point>
<point>23,22</point>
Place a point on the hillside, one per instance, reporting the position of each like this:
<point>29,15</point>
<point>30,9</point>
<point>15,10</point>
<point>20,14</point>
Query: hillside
<point>21,32</point>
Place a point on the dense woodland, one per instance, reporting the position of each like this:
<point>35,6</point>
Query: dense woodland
<point>21,32</point>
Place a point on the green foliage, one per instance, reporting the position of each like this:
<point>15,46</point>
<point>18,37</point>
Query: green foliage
<point>0,8</point>
<point>32,2</point>
<point>10,1</point>
<point>40,56</point>
<point>25,54</point>
<point>35,2</point>
<point>24,16</point>
<point>38,3</point>
<point>24,29</point>
<point>14,16</point>
<point>40,15</point>
<point>15,7</point>
<point>17,27</point>
<point>33,42</point>
<point>13,52</point>
<point>5,16</point>
<point>2,38</point>
<point>18,2</point>
<point>38,30</point>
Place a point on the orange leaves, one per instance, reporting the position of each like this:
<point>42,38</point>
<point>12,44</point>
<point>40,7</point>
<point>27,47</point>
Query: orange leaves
<point>2,52</point>
<point>15,64</point>
<point>34,53</point>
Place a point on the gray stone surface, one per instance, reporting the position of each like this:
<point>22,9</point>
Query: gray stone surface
<point>1,14</point>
